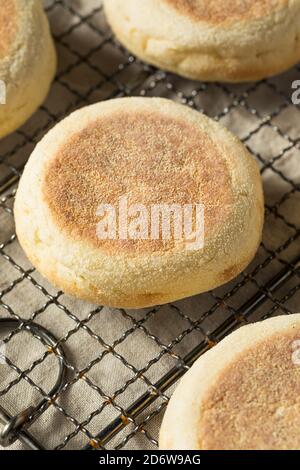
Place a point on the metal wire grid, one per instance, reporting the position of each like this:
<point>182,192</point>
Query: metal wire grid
<point>101,69</point>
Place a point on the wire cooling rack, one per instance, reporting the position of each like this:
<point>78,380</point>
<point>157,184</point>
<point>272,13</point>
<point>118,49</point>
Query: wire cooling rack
<point>76,376</point>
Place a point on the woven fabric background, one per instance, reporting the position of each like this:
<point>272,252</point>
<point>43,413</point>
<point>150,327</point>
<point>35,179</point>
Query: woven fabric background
<point>113,356</point>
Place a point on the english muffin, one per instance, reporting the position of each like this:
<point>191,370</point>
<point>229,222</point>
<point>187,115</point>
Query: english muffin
<point>243,394</point>
<point>27,61</point>
<point>212,40</point>
<point>138,155</point>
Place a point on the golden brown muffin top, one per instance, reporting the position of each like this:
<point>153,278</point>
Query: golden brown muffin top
<point>255,402</point>
<point>8,25</point>
<point>223,11</point>
<point>150,158</point>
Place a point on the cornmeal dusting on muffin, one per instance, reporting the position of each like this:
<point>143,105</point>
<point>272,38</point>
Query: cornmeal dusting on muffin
<point>220,11</point>
<point>255,402</point>
<point>8,25</point>
<point>147,157</point>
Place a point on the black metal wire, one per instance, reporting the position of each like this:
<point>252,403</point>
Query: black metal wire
<point>280,263</point>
